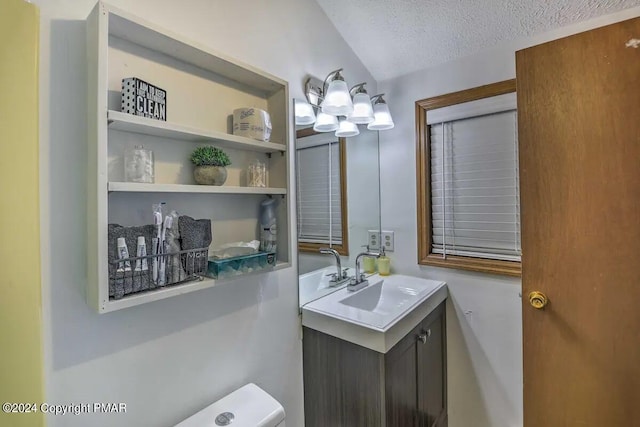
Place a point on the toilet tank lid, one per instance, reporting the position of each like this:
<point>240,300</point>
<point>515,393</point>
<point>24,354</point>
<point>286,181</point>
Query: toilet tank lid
<point>250,405</point>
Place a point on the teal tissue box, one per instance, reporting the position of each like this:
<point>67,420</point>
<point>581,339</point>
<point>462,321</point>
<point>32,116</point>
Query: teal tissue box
<point>222,268</point>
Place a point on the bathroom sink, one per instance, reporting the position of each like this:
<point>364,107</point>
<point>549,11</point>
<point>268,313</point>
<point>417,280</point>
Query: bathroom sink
<point>378,315</point>
<point>382,297</point>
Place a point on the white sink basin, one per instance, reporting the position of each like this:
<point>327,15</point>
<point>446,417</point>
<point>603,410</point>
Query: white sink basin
<point>378,315</point>
<point>383,297</point>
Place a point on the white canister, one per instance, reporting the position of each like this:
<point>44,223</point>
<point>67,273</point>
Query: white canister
<point>252,123</point>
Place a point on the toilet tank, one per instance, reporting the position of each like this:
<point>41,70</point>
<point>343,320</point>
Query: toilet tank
<point>249,406</point>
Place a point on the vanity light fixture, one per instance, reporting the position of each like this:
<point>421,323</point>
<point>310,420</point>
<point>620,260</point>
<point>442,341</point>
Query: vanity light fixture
<point>347,129</point>
<point>337,100</point>
<point>383,120</point>
<point>304,113</point>
<point>332,98</point>
<point>325,122</point>
<point>362,111</point>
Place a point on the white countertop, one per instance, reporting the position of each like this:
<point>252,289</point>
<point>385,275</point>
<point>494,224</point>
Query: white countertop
<point>379,315</point>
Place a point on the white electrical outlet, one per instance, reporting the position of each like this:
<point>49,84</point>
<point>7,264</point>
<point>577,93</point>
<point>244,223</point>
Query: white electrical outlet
<point>374,240</point>
<point>387,240</point>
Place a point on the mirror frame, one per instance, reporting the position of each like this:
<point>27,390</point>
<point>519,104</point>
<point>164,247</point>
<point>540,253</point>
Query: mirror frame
<point>342,249</point>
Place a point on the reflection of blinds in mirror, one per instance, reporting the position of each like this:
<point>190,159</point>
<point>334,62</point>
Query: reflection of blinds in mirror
<point>474,187</point>
<point>318,190</point>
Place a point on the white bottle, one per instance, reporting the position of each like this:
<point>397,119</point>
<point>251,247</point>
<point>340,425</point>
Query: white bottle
<point>123,253</point>
<point>141,251</point>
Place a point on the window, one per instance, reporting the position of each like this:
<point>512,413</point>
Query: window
<point>321,192</point>
<point>467,180</point>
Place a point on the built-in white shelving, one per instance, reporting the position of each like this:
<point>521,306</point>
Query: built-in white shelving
<point>136,124</point>
<point>170,291</point>
<point>134,187</point>
<point>203,89</point>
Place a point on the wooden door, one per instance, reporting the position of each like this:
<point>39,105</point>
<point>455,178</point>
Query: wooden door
<point>432,371</point>
<point>579,133</point>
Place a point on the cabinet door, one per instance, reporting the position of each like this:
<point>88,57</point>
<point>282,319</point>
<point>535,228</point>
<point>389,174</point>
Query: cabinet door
<point>342,382</point>
<point>432,370</point>
<point>401,388</point>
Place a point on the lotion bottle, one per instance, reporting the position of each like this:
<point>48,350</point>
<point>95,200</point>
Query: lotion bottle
<point>384,264</point>
<point>368,263</point>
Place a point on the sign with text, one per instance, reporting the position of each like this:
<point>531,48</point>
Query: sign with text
<point>143,99</point>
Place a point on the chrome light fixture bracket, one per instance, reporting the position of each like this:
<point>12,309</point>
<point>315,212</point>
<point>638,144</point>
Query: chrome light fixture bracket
<point>359,88</point>
<point>315,89</point>
<point>378,99</point>
<point>334,75</point>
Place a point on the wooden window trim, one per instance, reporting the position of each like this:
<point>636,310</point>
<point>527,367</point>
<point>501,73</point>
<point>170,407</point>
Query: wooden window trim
<point>342,249</point>
<point>423,177</point>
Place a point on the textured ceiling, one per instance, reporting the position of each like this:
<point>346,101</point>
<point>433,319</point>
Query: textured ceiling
<point>395,37</point>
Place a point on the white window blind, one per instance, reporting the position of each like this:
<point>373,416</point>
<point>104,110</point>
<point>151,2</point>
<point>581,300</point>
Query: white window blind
<point>318,188</point>
<point>474,180</point>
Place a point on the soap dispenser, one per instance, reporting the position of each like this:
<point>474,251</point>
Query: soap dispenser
<point>368,263</point>
<point>384,264</point>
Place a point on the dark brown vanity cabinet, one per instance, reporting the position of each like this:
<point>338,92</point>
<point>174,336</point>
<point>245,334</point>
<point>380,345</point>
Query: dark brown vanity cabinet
<point>346,385</point>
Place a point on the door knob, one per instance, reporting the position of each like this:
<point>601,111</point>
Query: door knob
<point>538,300</point>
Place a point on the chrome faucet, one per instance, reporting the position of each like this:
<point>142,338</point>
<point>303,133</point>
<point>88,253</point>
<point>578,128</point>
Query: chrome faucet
<point>359,281</point>
<point>341,275</point>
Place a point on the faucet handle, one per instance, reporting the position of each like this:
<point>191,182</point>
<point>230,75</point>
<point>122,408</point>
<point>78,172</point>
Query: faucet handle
<point>372,254</point>
<point>328,251</point>
<point>334,276</point>
<point>344,273</point>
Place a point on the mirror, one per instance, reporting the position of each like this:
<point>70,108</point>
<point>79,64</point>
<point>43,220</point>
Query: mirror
<point>338,202</point>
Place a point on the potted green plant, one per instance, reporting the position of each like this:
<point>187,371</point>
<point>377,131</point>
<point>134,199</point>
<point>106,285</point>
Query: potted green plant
<point>210,165</point>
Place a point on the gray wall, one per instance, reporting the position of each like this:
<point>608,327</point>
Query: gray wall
<point>170,358</point>
<point>484,322</point>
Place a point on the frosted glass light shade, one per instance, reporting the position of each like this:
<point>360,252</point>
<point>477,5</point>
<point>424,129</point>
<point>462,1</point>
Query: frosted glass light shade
<point>337,100</point>
<point>304,113</point>
<point>383,120</point>
<point>362,110</point>
<point>347,129</point>
<point>325,123</point>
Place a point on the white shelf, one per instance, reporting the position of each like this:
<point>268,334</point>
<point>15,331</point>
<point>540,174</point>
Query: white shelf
<point>129,123</point>
<point>170,291</point>
<point>121,45</point>
<point>144,33</point>
<point>135,187</point>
